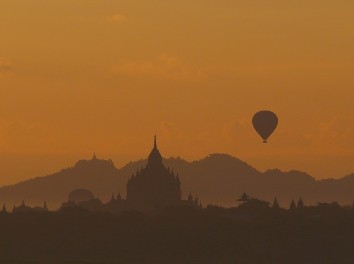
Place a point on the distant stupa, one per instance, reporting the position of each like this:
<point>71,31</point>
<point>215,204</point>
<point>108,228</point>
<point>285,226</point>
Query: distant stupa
<point>80,195</point>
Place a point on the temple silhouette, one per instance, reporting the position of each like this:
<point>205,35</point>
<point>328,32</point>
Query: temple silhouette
<point>151,188</point>
<point>23,208</point>
<point>154,186</point>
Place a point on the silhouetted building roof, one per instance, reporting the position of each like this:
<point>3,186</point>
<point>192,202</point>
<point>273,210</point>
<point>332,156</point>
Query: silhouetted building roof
<point>154,186</point>
<point>292,205</point>
<point>275,203</point>
<point>190,198</point>
<point>244,198</point>
<point>155,158</point>
<point>4,211</point>
<point>23,208</point>
<point>300,203</point>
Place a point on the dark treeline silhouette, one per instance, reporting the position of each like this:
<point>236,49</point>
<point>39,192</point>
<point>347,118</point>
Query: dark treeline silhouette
<point>253,232</point>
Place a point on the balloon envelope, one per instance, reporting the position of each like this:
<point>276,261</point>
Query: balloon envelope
<point>265,122</point>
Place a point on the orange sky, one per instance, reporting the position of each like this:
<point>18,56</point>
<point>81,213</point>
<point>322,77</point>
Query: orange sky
<point>78,76</point>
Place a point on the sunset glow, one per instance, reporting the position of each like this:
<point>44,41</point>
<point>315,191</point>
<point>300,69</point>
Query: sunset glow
<point>80,76</point>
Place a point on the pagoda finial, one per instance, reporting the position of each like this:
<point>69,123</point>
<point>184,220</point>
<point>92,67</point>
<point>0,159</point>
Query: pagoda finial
<point>155,156</point>
<point>275,203</point>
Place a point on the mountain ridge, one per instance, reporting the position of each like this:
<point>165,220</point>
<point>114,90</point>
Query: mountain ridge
<point>215,179</point>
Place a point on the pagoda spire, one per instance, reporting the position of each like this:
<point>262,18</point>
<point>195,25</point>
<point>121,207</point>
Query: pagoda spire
<point>155,157</point>
<point>275,203</point>
<point>300,203</point>
<point>292,204</point>
<point>155,141</point>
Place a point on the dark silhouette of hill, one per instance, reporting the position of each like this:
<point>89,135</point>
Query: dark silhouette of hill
<point>216,179</point>
<point>100,176</point>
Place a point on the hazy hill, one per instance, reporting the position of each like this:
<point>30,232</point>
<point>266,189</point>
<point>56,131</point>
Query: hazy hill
<point>216,179</point>
<point>97,175</point>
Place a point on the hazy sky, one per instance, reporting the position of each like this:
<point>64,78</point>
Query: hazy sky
<point>78,76</point>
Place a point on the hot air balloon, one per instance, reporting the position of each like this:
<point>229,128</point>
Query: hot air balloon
<point>265,122</point>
